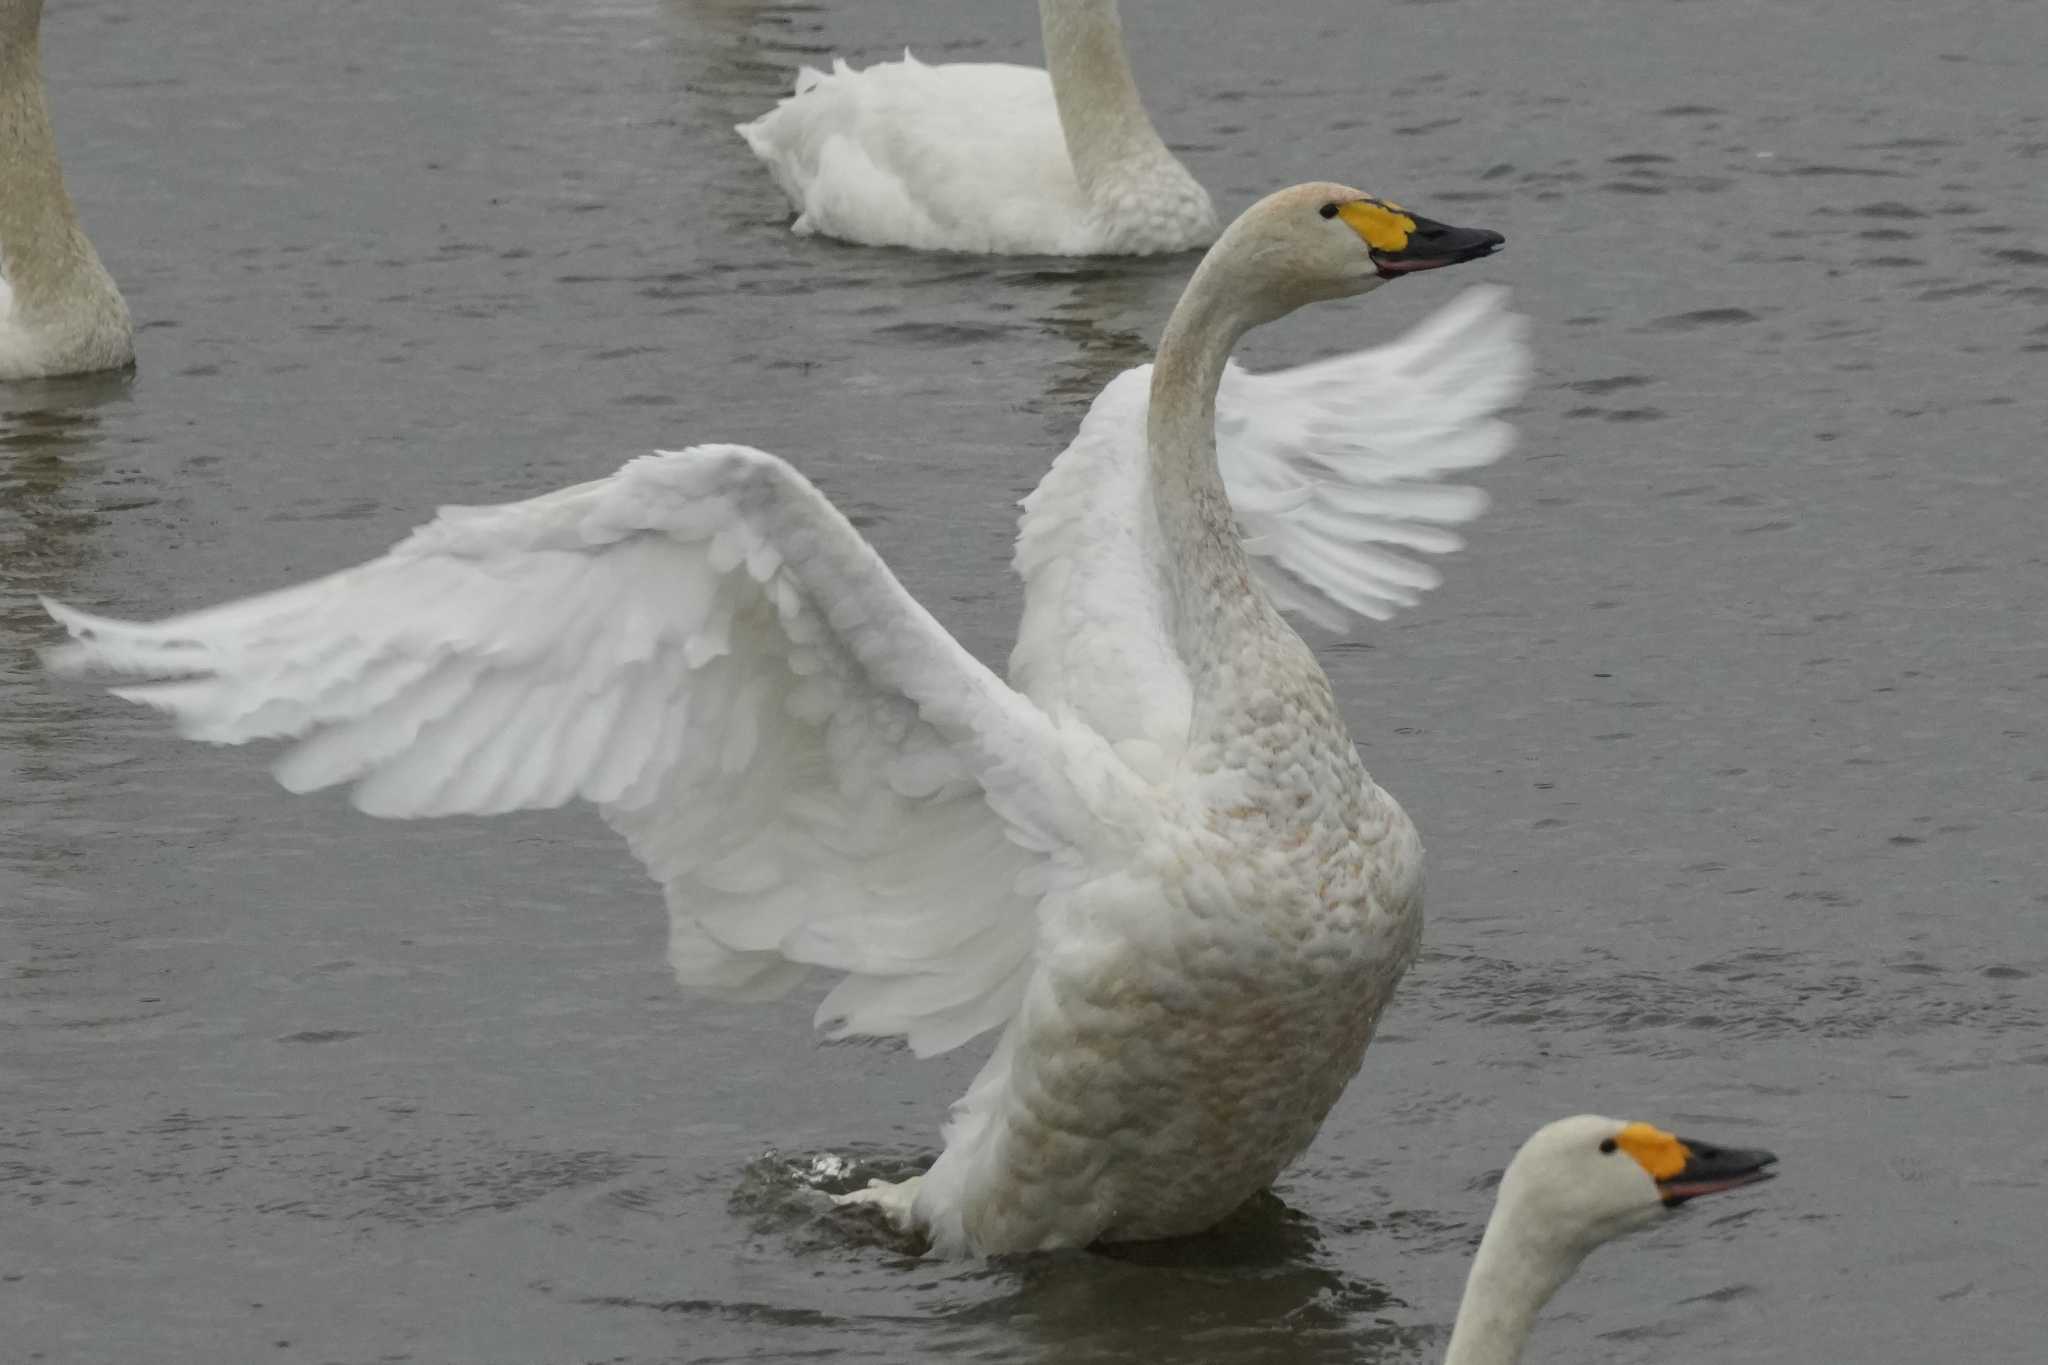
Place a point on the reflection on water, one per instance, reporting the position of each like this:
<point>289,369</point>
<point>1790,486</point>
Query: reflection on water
<point>55,494</point>
<point>743,54</point>
<point>732,60</point>
<point>1110,317</point>
<point>1261,1286</point>
<point>48,431</point>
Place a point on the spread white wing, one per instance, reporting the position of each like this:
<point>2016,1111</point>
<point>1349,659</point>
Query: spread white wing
<point>1338,472</point>
<point>1096,635</point>
<point>814,770</point>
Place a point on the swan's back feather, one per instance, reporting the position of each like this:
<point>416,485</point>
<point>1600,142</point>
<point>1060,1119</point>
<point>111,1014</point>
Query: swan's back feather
<point>956,157</point>
<point>815,772</point>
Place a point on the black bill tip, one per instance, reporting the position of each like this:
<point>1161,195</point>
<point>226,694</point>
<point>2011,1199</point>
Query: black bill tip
<point>1709,1170</point>
<point>1433,245</point>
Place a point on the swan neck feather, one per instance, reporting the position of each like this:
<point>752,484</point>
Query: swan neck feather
<point>36,218</point>
<point>60,291</point>
<point>1519,1266</point>
<point>1205,561</point>
<point>1105,125</point>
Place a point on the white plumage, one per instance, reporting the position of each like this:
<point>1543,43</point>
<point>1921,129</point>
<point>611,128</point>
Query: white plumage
<point>1335,471</point>
<point>1154,863</point>
<point>1575,1184</point>
<point>987,157</point>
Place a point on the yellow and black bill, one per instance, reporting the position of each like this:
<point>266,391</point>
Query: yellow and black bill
<point>1402,243</point>
<point>1709,1170</point>
<point>1432,245</point>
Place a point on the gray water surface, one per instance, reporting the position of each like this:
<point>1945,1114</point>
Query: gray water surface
<point>1725,733</point>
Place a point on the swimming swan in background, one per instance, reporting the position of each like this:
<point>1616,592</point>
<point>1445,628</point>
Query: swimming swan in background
<point>987,156</point>
<point>1153,861</point>
<point>60,312</point>
<point>1575,1184</point>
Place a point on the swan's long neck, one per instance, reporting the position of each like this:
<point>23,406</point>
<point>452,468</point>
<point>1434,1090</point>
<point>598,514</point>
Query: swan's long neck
<point>1521,1263</point>
<point>1222,625</point>
<point>1106,128</point>
<point>38,229</point>
<point>65,313</point>
<point>1181,424</point>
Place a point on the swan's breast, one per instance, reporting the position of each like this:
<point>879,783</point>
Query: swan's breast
<point>1189,1028</point>
<point>1148,208</point>
<point>1194,1014</point>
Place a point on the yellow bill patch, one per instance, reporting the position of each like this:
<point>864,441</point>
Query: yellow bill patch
<point>1655,1150</point>
<point>1383,225</point>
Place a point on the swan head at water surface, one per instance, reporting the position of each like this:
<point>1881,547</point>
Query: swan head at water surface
<point>1590,1179</point>
<point>1577,1183</point>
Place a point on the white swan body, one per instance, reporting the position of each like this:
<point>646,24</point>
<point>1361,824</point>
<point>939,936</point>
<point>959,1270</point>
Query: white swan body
<point>60,311</point>
<point>1155,864</point>
<point>987,157</point>
<point>1575,1184</point>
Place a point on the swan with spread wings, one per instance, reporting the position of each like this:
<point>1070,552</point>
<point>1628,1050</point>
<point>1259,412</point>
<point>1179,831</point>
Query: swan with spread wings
<point>1151,862</point>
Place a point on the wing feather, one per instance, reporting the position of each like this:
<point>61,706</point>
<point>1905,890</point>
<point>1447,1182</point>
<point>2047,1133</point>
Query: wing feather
<point>814,771</point>
<point>1337,471</point>
<point>1337,465</point>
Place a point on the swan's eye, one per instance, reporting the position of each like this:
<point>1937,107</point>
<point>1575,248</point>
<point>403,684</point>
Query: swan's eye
<point>1328,210</point>
<point>1607,1145</point>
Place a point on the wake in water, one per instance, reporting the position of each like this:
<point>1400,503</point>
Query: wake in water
<point>794,1195</point>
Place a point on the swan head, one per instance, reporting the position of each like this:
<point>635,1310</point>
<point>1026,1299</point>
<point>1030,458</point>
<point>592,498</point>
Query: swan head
<point>1589,1179</point>
<point>1326,241</point>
